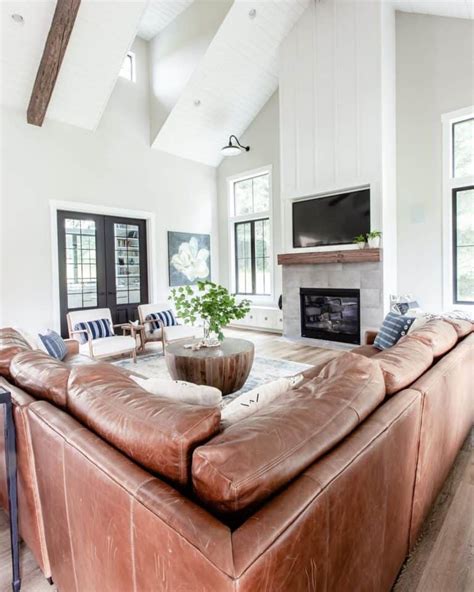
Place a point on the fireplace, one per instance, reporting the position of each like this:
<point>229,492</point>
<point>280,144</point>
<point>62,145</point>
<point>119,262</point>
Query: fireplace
<point>332,314</point>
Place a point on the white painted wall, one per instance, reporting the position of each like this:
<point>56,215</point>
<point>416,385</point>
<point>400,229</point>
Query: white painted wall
<point>113,167</point>
<point>262,136</point>
<point>435,75</point>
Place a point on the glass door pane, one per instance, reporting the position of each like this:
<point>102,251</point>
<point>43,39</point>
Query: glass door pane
<point>127,263</point>
<point>81,263</point>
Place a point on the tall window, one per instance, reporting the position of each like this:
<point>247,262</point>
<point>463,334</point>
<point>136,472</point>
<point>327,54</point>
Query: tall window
<point>251,228</point>
<point>128,67</point>
<point>459,210</point>
<point>463,245</point>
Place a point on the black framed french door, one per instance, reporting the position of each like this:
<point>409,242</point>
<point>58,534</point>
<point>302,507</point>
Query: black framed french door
<point>102,264</point>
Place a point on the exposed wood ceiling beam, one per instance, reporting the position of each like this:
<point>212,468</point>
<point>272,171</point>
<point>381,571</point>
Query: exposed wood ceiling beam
<point>53,54</point>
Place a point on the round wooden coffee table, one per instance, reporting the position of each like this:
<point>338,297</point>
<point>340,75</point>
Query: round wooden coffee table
<point>226,367</point>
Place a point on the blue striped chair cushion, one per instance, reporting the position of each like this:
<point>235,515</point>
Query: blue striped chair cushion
<point>165,316</point>
<point>54,344</point>
<point>393,328</point>
<point>97,329</point>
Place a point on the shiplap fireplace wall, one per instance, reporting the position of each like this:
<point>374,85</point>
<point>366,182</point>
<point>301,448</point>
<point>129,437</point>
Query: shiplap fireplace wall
<point>337,114</point>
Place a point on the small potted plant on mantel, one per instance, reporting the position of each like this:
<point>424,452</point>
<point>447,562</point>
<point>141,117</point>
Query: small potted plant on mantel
<point>212,304</point>
<point>373,238</point>
<point>360,241</point>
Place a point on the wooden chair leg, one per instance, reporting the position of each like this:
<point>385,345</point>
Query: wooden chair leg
<point>134,355</point>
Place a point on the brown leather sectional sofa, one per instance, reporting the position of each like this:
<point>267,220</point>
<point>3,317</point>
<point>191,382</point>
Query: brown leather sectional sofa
<point>323,490</point>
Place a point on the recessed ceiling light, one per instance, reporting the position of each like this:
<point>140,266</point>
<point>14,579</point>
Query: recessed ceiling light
<point>18,18</point>
<point>197,102</point>
<point>252,13</point>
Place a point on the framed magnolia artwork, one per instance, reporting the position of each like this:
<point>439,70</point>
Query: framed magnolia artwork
<point>189,258</point>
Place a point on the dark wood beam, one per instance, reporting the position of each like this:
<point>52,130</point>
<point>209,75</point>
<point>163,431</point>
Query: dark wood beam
<point>53,54</point>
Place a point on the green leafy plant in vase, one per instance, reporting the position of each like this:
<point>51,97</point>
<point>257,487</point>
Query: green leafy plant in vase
<point>373,238</point>
<point>210,303</point>
<point>360,241</point>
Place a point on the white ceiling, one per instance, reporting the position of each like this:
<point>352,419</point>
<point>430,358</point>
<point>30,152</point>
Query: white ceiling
<point>159,15</point>
<point>452,8</point>
<point>103,33</point>
<point>234,80</point>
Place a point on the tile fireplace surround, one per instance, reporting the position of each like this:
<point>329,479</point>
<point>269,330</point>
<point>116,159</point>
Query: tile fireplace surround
<point>333,269</point>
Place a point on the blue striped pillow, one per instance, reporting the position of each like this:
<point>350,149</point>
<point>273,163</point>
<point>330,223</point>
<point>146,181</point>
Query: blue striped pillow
<point>394,327</point>
<point>97,329</point>
<point>165,316</point>
<point>54,344</point>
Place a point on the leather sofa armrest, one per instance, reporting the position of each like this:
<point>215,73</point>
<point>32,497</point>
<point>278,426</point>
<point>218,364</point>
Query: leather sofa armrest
<point>369,337</point>
<point>72,346</point>
<point>302,509</point>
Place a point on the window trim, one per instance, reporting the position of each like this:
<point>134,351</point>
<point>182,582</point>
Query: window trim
<point>233,219</point>
<point>451,183</point>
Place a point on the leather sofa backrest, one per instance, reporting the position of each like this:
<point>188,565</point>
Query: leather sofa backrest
<point>41,375</point>
<point>11,343</point>
<point>404,362</point>
<point>256,456</point>
<point>437,334</point>
<point>157,433</point>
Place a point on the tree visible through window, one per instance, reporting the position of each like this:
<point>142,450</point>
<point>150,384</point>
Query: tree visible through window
<point>463,148</point>
<point>252,235</point>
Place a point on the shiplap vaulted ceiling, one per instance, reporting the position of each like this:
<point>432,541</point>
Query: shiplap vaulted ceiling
<point>103,32</point>
<point>158,15</point>
<point>451,8</point>
<point>236,77</point>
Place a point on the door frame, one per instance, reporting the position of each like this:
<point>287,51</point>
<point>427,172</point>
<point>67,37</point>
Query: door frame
<point>87,208</point>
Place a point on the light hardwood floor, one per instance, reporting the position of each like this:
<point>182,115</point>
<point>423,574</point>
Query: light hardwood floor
<point>442,560</point>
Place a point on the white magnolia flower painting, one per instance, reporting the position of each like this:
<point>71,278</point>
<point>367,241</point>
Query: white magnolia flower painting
<point>189,258</point>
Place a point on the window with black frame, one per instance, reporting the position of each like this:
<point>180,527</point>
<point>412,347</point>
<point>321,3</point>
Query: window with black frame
<point>252,235</point>
<point>462,158</point>
<point>252,258</point>
<point>463,245</point>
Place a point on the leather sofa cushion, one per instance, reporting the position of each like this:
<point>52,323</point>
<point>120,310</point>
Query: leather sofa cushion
<point>369,351</point>
<point>437,334</point>
<point>404,362</point>
<point>461,326</point>
<point>157,433</point>
<point>256,456</point>
<point>11,343</point>
<point>41,375</point>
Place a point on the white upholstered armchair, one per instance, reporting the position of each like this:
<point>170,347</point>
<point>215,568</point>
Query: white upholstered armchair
<point>158,331</point>
<point>97,339</point>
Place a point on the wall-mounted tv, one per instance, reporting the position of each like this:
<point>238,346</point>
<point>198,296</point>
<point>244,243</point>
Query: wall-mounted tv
<point>331,220</point>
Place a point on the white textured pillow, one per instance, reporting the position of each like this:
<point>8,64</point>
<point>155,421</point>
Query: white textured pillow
<point>179,390</point>
<point>33,341</point>
<point>251,401</point>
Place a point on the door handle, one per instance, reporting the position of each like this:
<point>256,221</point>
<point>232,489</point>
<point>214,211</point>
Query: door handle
<point>111,293</point>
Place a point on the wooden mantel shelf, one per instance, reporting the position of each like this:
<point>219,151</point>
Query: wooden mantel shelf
<point>349,256</point>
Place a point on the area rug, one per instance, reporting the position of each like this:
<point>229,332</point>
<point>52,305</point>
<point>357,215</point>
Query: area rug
<point>263,370</point>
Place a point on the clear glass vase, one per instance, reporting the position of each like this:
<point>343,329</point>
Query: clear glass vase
<point>209,339</point>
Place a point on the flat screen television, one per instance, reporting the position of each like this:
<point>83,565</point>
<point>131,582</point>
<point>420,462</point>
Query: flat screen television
<point>332,220</point>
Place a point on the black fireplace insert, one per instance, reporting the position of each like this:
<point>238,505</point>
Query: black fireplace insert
<point>332,314</point>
